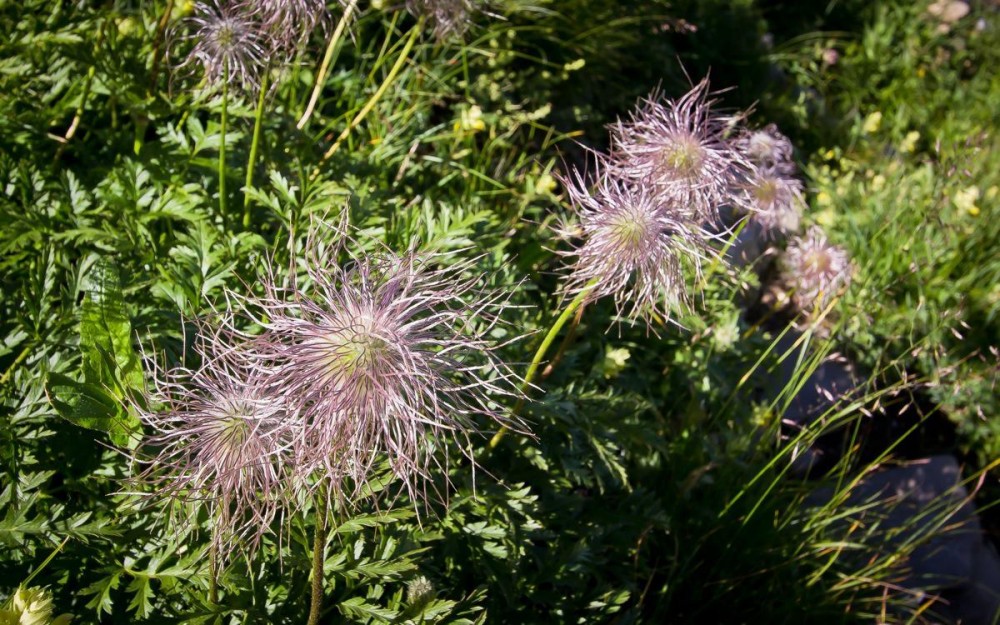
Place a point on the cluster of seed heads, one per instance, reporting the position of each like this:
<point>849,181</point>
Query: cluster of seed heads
<point>385,357</point>
<point>676,173</point>
<point>390,357</point>
<point>235,41</point>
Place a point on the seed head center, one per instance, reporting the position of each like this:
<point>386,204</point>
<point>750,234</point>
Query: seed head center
<point>630,229</point>
<point>682,158</point>
<point>818,262</point>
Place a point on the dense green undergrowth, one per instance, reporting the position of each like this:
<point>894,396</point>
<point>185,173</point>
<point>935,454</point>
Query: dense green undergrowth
<point>655,484</point>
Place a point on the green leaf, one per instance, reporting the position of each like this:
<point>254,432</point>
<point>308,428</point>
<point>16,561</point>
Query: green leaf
<point>358,607</point>
<point>110,367</point>
<point>101,589</point>
<point>106,331</point>
<point>141,603</point>
<point>89,406</point>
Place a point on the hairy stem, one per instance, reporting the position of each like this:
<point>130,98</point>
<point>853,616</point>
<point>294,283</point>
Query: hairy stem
<point>324,67</point>
<point>536,362</point>
<point>222,148</point>
<point>254,145</point>
<point>567,340</point>
<point>319,551</point>
<point>213,582</point>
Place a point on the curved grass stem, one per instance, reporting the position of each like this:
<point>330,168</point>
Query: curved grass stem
<point>372,101</point>
<point>324,67</point>
<point>536,362</point>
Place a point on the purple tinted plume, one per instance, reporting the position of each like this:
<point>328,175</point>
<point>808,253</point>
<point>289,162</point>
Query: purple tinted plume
<point>633,244</point>
<point>219,441</point>
<point>383,357</point>
<point>680,148</point>
<point>814,269</point>
<point>229,44</point>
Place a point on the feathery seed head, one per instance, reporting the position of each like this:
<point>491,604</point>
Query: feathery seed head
<point>634,242</point>
<point>377,357</point>
<point>680,148</point>
<point>814,269</point>
<point>776,202</point>
<point>448,17</point>
<point>289,22</point>
<point>221,442</point>
<point>229,44</point>
<point>419,591</point>
<point>768,149</point>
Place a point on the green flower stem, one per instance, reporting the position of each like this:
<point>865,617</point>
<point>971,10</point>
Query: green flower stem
<point>324,67</point>
<point>17,362</point>
<point>213,582</point>
<point>222,148</point>
<point>536,362</point>
<point>254,146</point>
<point>370,104</point>
<point>319,552</point>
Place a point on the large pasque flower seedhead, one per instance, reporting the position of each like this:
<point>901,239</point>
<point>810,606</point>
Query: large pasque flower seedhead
<point>220,442</point>
<point>680,148</point>
<point>229,44</point>
<point>633,243</point>
<point>377,357</point>
<point>814,269</point>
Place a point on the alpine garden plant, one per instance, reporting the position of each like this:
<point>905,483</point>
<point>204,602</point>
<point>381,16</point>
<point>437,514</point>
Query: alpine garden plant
<point>266,418</point>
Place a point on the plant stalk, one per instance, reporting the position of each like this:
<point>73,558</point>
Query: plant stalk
<point>319,552</point>
<point>536,362</point>
<point>254,146</point>
<point>222,148</point>
<point>14,365</point>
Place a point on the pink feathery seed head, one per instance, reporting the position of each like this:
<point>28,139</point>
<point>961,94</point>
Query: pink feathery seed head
<point>634,243</point>
<point>217,440</point>
<point>289,22</point>
<point>814,269</point>
<point>382,358</point>
<point>768,149</point>
<point>230,44</point>
<point>447,17</point>
<point>776,202</point>
<point>681,148</point>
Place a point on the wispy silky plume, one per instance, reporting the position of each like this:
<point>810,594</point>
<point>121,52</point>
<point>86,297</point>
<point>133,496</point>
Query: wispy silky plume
<point>768,150</point>
<point>230,44</point>
<point>680,147</point>
<point>219,441</point>
<point>632,245</point>
<point>776,201</point>
<point>288,22</point>
<point>814,269</point>
<point>448,18</point>
<point>773,193</point>
<point>383,357</point>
